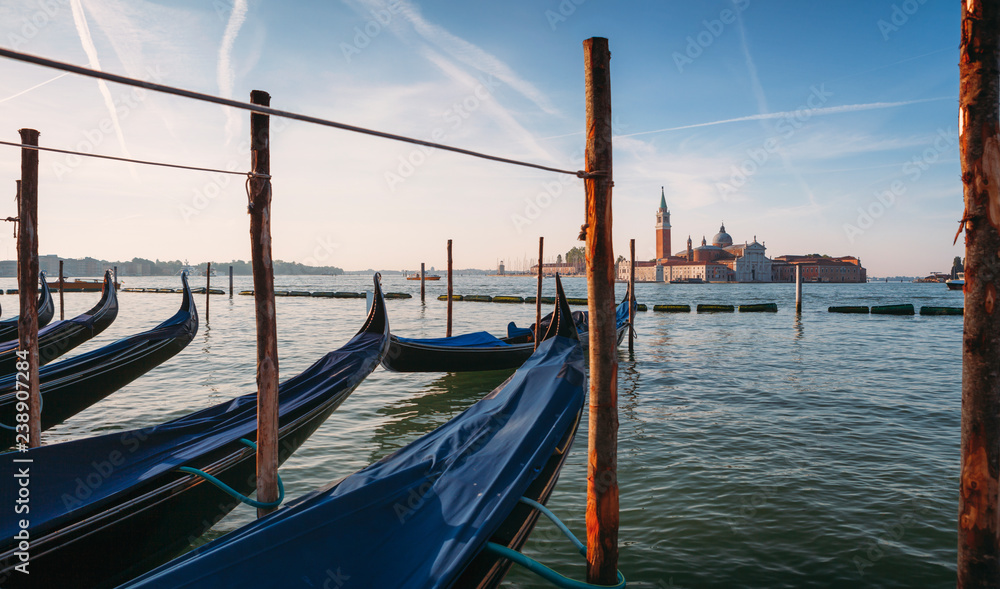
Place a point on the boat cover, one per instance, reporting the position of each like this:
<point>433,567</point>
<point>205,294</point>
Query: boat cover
<point>417,517</point>
<point>479,339</point>
<point>93,471</point>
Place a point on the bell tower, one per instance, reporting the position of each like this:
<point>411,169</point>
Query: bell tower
<point>662,228</point>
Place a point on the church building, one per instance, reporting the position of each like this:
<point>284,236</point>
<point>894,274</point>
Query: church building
<point>725,261</point>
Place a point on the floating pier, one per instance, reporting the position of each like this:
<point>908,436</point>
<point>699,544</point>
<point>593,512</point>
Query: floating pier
<point>672,308</point>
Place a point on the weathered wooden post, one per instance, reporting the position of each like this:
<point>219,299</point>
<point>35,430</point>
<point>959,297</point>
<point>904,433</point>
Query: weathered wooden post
<point>208,288</point>
<point>263,290</point>
<point>602,464</point>
<point>798,288</point>
<point>62,289</point>
<point>422,282</point>
<point>114,280</point>
<point>979,141</point>
<point>27,282</point>
<point>448,331</point>
<point>538,294</point>
<point>230,281</point>
<point>631,295</point>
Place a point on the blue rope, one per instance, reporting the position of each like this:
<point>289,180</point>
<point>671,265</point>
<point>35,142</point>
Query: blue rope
<point>540,569</point>
<point>233,492</point>
<point>545,572</point>
<point>558,522</point>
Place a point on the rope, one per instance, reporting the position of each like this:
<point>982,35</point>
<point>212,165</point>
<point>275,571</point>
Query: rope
<point>543,571</point>
<point>125,159</point>
<point>59,65</point>
<point>233,492</point>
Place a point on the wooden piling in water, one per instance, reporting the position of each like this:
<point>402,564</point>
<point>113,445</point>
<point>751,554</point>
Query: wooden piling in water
<point>422,293</point>
<point>538,296</point>
<point>979,144</point>
<point>602,463</point>
<point>230,281</point>
<point>62,289</point>
<point>798,288</point>
<point>448,331</point>
<point>114,279</point>
<point>631,295</point>
<point>263,289</point>
<point>208,288</point>
<point>27,281</point>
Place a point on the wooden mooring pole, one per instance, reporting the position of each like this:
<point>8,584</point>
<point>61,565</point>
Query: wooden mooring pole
<point>208,288</point>
<point>602,463</point>
<point>263,291</point>
<point>538,294</point>
<point>631,295</point>
<point>27,281</point>
<point>448,331</point>
<point>230,281</point>
<point>798,288</point>
<point>62,289</point>
<point>114,281</point>
<point>422,298</point>
<point>979,143</point>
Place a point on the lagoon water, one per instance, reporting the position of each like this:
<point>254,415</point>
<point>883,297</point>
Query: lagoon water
<point>755,450</point>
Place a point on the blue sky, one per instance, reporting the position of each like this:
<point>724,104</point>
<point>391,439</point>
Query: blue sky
<point>816,127</point>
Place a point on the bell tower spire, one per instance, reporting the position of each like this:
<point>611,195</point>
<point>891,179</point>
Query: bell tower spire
<point>662,228</point>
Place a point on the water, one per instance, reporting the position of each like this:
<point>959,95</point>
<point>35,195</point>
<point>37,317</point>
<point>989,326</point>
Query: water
<point>756,450</point>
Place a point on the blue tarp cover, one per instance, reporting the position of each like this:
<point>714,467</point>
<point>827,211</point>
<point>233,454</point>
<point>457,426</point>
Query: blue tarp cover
<point>80,476</point>
<point>416,518</point>
<point>479,339</point>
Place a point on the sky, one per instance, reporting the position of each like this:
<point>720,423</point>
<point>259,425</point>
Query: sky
<point>812,127</point>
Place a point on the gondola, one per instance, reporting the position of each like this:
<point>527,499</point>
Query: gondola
<point>108,508</point>
<point>70,386</point>
<point>482,350</point>
<point>46,310</point>
<point>422,516</point>
<point>57,338</point>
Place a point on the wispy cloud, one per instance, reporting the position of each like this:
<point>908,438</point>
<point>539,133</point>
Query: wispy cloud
<point>224,71</point>
<point>80,19</point>
<point>26,90</point>
<point>467,53</point>
<point>826,110</point>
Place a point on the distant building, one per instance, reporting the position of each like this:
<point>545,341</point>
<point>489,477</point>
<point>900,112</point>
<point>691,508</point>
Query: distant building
<point>723,261</point>
<point>551,269</point>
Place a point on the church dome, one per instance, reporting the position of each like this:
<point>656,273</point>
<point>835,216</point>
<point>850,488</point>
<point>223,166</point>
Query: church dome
<point>722,239</point>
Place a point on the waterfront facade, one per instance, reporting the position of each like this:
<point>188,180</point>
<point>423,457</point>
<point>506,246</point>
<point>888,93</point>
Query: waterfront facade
<point>722,260</point>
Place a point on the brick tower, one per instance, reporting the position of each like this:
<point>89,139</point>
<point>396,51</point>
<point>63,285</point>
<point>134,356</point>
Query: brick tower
<point>662,228</point>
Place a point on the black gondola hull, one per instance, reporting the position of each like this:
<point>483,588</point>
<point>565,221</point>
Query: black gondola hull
<point>155,523</point>
<point>69,387</point>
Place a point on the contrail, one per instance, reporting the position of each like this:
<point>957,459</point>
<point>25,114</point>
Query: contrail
<point>225,74</point>
<point>826,110</point>
<point>88,47</point>
<point>23,92</point>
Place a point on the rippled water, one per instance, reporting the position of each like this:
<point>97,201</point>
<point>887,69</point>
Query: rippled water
<point>756,450</point>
